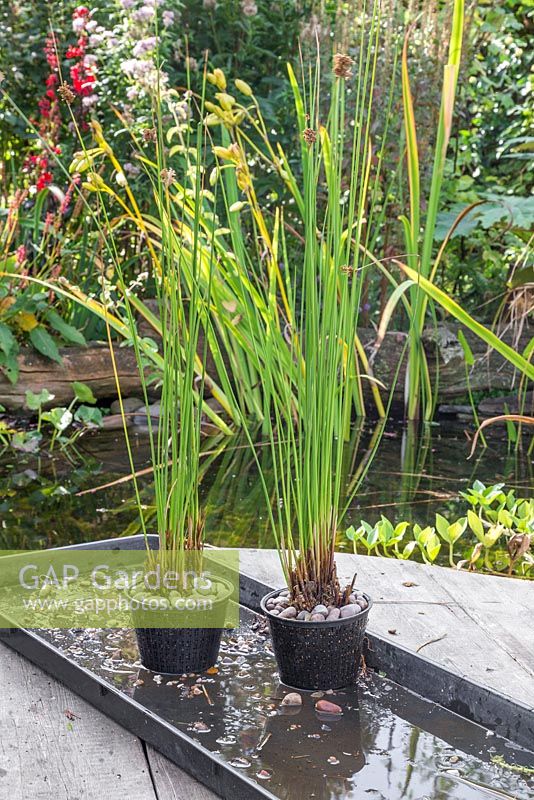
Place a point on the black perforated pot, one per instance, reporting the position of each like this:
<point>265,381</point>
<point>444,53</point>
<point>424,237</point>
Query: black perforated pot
<point>317,655</point>
<point>176,650</point>
<point>173,651</point>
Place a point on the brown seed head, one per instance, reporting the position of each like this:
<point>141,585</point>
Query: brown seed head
<point>149,135</point>
<point>342,65</point>
<point>167,176</point>
<point>309,136</point>
<point>66,93</point>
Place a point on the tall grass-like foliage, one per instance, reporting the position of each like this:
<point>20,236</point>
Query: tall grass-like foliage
<point>311,420</point>
<point>182,278</point>
<point>419,245</point>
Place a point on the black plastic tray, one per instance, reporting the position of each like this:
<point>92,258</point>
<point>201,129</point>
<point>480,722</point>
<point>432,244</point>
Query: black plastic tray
<point>504,716</point>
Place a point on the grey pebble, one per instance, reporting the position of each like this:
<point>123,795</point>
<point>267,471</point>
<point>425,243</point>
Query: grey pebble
<point>334,614</point>
<point>317,618</point>
<point>350,611</point>
<point>320,609</point>
<point>288,613</point>
<point>129,404</point>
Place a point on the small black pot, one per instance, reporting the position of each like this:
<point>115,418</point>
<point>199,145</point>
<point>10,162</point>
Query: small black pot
<point>175,650</point>
<point>317,655</point>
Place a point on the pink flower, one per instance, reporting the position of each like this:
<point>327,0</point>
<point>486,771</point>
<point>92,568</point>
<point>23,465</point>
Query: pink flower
<point>20,256</point>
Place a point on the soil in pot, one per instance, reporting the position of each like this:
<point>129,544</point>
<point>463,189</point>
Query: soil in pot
<point>321,648</point>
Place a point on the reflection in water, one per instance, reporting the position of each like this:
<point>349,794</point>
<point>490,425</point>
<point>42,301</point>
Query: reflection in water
<point>414,473</point>
<point>389,744</point>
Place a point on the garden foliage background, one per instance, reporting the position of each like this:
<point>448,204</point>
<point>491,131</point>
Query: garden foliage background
<point>106,52</point>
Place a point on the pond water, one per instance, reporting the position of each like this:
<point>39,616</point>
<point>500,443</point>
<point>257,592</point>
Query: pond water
<point>414,473</point>
<point>388,743</point>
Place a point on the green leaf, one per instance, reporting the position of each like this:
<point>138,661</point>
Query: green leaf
<point>35,401</point>
<point>82,392</point>
<point>89,416</point>
<point>69,332</point>
<point>8,343</point>
<point>10,366</point>
<point>477,328</point>
<point>468,353</point>
<point>443,527</point>
<point>476,525</point>
<point>60,418</point>
<point>45,344</point>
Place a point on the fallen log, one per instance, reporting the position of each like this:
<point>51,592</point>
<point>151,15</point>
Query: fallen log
<point>490,373</point>
<point>92,365</point>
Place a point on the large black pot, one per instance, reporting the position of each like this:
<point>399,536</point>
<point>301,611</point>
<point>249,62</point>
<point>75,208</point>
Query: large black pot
<point>175,650</point>
<point>317,655</point>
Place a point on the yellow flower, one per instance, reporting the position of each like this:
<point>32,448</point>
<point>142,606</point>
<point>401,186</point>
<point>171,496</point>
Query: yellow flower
<point>243,87</point>
<point>212,107</point>
<point>217,79</point>
<point>231,153</point>
<point>242,178</point>
<point>226,100</point>
<point>213,119</point>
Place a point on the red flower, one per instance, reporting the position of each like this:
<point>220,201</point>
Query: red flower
<point>74,52</point>
<point>81,11</point>
<point>44,180</point>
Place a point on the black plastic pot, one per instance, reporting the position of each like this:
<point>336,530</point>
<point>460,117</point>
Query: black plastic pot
<point>175,650</point>
<point>317,655</point>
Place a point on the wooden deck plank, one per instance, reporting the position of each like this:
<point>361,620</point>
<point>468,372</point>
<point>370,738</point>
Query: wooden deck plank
<point>46,756</point>
<point>485,620</point>
<point>173,784</point>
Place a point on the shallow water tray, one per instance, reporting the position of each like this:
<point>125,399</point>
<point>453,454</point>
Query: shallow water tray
<point>453,740</point>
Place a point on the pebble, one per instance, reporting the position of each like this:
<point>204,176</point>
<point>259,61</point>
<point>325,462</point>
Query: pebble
<point>316,618</point>
<point>320,609</point>
<point>284,593</point>
<point>201,727</point>
<point>282,602</point>
<point>362,603</point>
<point>292,699</point>
<point>113,422</point>
<point>288,613</point>
<point>240,763</point>
<point>334,614</point>
<point>302,614</point>
<point>326,707</point>
<point>350,611</point>
<point>129,404</point>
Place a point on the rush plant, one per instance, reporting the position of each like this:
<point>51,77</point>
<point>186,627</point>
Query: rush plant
<point>310,420</point>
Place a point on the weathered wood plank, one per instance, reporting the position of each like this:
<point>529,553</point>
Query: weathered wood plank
<point>46,756</point>
<point>485,620</point>
<point>173,784</point>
